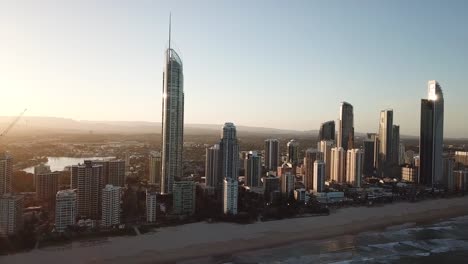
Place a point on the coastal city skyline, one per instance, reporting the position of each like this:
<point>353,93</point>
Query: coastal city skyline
<point>335,79</point>
<point>171,196</point>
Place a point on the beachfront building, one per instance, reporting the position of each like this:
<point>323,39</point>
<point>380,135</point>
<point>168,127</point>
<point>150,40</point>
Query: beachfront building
<point>319,172</point>
<point>338,165</point>
<point>65,210</point>
<point>385,140</point>
<point>172,119</point>
<point>271,184</point>
<point>46,188</point>
<point>212,166</point>
<point>183,198</point>
<point>6,173</point>
<point>272,154</point>
<point>229,148</point>
<point>155,159</point>
<point>253,169</point>
<point>113,171</point>
<point>354,165</point>
<point>11,214</point>
<point>89,189</point>
<point>40,169</point>
<point>151,206</point>
<point>110,206</point>
<point>230,196</point>
<point>325,146</point>
<point>431,136</point>
<point>311,155</point>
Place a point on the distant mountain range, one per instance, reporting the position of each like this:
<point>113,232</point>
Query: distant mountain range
<point>36,124</point>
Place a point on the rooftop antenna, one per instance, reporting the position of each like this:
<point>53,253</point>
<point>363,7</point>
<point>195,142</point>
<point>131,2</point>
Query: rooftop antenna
<point>170,15</point>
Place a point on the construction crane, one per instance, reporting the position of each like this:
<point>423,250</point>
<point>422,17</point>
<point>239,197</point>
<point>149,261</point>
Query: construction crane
<point>12,124</point>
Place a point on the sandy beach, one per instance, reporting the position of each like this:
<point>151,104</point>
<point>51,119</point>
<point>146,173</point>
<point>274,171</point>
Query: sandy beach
<point>182,243</point>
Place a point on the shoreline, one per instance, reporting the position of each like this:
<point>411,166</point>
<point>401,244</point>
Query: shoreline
<point>206,242</point>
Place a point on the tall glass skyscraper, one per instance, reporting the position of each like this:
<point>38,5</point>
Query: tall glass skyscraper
<point>385,140</point>
<point>229,148</point>
<point>346,127</point>
<point>327,131</point>
<point>172,118</point>
<point>431,136</point>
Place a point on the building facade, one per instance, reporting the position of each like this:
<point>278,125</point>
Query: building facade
<point>151,206</point>
<point>386,141</point>
<point>46,188</point>
<point>89,189</point>
<point>325,147</point>
<point>155,167</point>
<point>11,214</point>
<point>327,131</point>
<point>355,164</point>
<point>230,196</point>
<point>431,136</point>
<point>184,198</point>
<point>345,138</point>
<point>311,155</point>
<point>172,119</point>
<point>272,154</point>
<point>110,206</point>
<point>338,169</point>
<point>319,172</point>
<point>213,166</point>
<point>293,151</point>
<point>6,173</point>
<point>65,209</point>
<point>253,169</point>
<point>229,148</point>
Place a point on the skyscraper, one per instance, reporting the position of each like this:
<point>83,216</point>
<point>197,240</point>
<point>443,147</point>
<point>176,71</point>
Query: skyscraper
<point>172,118</point>
<point>311,155</point>
<point>354,161</point>
<point>287,184</point>
<point>151,206</point>
<point>212,166</point>
<point>39,169</point>
<point>6,172</point>
<point>395,145</point>
<point>65,209</point>
<point>325,147</point>
<point>11,214</point>
<point>230,196</point>
<point>110,206</point>
<point>229,148</point>
<point>293,151</point>
<point>253,169</point>
<point>155,167</point>
<point>184,198</point>
<point>89,189</point>
<point>338,169</point>
<point>46,188</point>
<point>386,140</point>
<point>346,127</point>
<point>319,172</point>
<point>327,131</point>
<point>272,154</point>
<point>431,136</point>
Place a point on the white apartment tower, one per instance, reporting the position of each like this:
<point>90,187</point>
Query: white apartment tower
<point>65,209</point>
<point>230,196</point>
<point>110,206</point>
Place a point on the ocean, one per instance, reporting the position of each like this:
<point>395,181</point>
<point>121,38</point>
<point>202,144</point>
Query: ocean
<point>437,242</point>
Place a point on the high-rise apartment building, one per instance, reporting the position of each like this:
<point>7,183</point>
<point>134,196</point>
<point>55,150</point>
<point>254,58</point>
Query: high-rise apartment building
<point>272,154</point>
<point>11,214</point>
<point>40,169</point>
<point>395,145</point>
<point>345,138</point>
<point>338,169</point>
<point>155,163</point>
<point>151,206</point>
<point>229,148</point>
<point>46,188</point>
<point>287,184</point>
<point>213,166</point>
<point>89,189</point>
<point>184,198</point>
<point>354,161</point>
<point>110,206</point>
<point>368,167</point>
<point>293,151</point>
<point>319,172</point>
<point>325,147</point>
<point>230,196</point>
<point>253,169</point>
<point>65,209</point>
<point>172,119</point>
<point>6,172</point>
<point>386,141</point>
<point>431,136</point>
<point>327,131</point>
<point>311,155</point>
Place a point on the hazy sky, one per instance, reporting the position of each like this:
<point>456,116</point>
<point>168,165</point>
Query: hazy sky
<point>282,64</point>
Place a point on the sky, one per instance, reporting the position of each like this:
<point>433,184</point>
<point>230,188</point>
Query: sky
<point>279,64</point>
